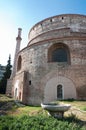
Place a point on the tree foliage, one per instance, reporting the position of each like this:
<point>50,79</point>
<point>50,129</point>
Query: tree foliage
<point>6,76</point>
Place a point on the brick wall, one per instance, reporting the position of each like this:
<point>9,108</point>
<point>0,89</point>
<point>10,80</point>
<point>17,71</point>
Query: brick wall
<point>66,30</point>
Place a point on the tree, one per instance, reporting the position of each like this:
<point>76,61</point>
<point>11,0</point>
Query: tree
<point>6,76</point>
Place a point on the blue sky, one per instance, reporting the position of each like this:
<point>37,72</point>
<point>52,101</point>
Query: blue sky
<point>26,13</point>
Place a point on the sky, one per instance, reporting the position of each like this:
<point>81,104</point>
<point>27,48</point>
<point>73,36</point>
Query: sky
<point>25,14</point>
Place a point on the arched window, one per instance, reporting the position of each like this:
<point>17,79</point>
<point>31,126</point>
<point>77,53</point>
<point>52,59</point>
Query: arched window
<point>59,52</point>
<point>59,55</point>
<point>19,63</point>
<point>59,91</point>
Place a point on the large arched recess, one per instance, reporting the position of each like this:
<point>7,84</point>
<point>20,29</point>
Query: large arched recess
<point>68,89</point>
<point>59,52</point>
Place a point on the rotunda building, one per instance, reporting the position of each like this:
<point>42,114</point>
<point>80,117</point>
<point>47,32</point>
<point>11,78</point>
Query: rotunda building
<point>53,64</point>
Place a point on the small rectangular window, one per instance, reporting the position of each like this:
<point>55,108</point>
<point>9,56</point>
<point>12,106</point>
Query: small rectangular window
<point>29,82</point>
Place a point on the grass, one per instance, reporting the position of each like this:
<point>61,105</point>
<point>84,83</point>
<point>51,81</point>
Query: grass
<point>11,108</point>
<point>8,106</point>
<point>84,108</point>
<point>74,119</point>
<point>78,104</point>
<point>78,108</point>
<point>26,110</point>
<point>4,98</point>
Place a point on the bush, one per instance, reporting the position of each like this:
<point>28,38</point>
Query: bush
<point>36,123</point>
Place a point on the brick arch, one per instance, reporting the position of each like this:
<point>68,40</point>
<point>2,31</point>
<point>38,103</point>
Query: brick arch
<point>50,90</point>
<point>19,63</point>
<point>56,49</point>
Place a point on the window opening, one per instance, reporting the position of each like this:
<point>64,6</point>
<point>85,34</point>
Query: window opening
<point>59,55</point>
<point>29,82</point>
<point>59,92</point>
<point>59,52</point>
<point>19,63</point>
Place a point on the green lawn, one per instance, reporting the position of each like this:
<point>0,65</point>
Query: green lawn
<point>20,117</point>
<point>12,108</point>
<point>79,104</point>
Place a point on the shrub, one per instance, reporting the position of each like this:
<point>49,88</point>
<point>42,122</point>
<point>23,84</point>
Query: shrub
<point>37,123</point>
